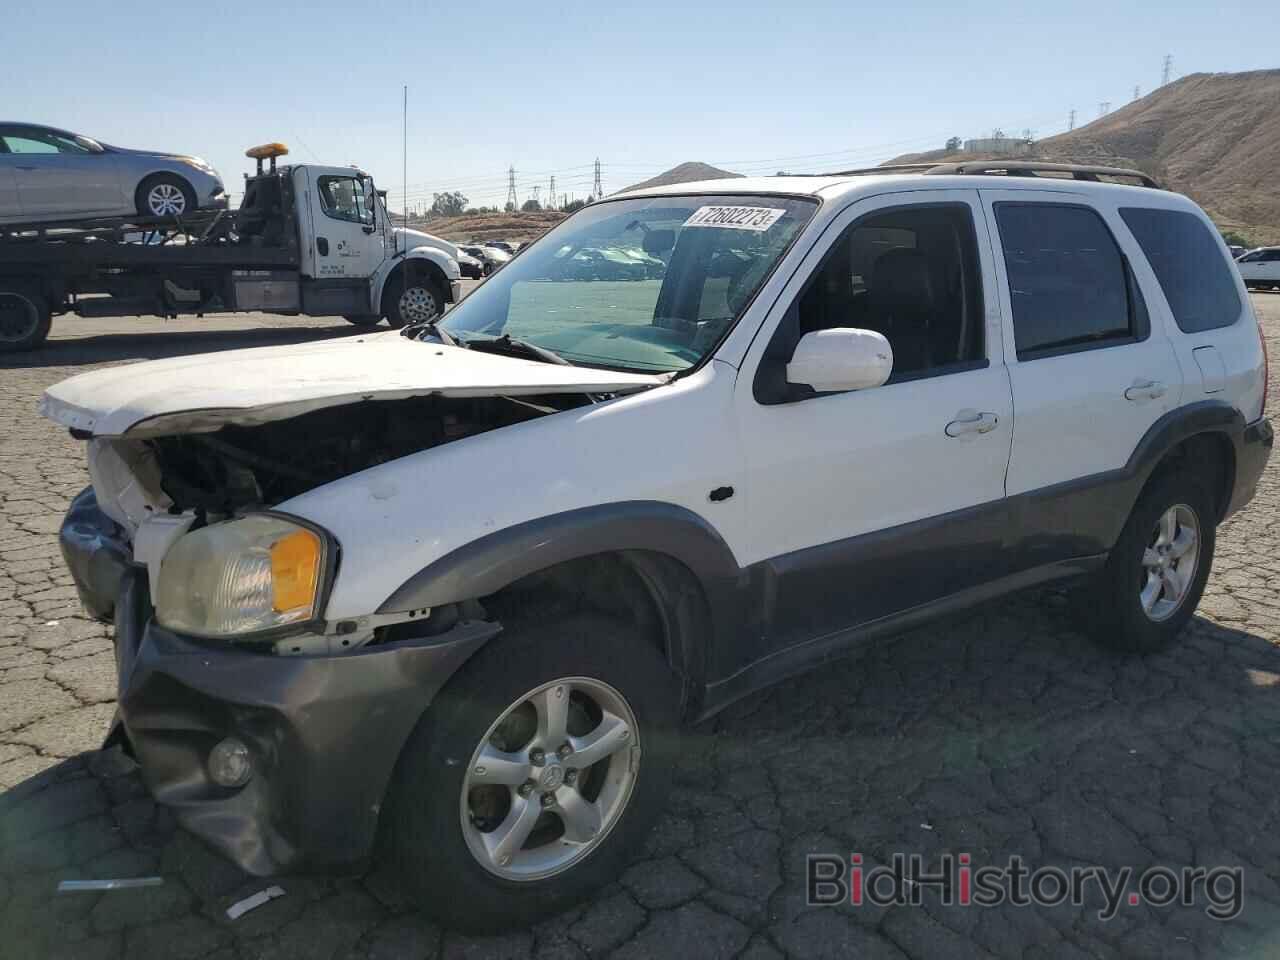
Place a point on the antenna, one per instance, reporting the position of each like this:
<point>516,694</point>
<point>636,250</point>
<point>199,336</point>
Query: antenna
<point>512,202</point>
<point>1168,69</point>
<point>404,164</point>
<point>1071,119</point>
<point>597,191</point>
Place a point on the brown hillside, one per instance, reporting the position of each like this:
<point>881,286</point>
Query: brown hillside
<point>684,173</point>
<point>491,226</point>
<point>1212,136</point>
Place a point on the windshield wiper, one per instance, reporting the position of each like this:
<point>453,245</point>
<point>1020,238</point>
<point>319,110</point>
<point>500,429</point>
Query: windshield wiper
<point>412,330</point>
<point>508,343</point>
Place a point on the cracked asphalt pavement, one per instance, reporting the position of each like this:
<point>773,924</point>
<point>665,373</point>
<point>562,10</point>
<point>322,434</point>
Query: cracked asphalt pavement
<point>1003,733</point>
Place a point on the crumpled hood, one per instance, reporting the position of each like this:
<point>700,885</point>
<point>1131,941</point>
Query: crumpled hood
<point>206,392</point>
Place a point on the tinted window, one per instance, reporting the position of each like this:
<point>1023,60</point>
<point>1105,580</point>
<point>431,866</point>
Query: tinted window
<point>1188,263</point>
<point>1068,281</point>
<point>911,274</point>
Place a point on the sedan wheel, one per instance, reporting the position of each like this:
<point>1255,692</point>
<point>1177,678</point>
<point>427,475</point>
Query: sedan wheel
<point>550,779</point>
<point>166,200</point>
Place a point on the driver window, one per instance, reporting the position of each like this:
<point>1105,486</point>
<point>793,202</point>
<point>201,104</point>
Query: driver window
<point>343,198</point>
<point>911,274</point>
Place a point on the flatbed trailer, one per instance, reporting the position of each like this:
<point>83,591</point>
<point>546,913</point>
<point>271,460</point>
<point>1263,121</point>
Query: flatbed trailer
<point>306,240</point>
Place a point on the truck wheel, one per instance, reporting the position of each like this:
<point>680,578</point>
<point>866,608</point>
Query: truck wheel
<point>24,320</point>
<point>165,195</point>
<point>1157,570</point>
<point>539,769</point>
<point>415,300</point>
<point>363,320</point>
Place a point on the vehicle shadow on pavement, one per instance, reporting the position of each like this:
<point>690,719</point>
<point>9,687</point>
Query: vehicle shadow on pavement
<point>182,341</point>
<point>1004,733</point>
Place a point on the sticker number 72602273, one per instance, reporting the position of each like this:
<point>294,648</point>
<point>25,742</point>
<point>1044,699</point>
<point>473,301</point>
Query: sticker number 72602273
<point>755,219</point>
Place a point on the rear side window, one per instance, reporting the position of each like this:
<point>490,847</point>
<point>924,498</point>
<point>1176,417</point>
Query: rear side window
<point>1188,263</point>
<point>1070,286</point>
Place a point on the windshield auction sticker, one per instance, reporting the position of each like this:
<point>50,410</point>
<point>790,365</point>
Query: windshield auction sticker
<point>755,219</point>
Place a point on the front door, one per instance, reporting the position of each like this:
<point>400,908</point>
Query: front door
<point>346,241</point>
<point>867,503</point>
<point>61,177</point>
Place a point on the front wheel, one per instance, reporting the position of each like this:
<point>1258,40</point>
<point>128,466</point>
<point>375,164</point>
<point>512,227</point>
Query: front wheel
<point>165,195</point>
<point>1157,570</point>
<point>416,300</point>
<point>535,774</point>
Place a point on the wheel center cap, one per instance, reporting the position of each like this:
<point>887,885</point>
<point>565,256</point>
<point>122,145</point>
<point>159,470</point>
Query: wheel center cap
<point>552,778</point>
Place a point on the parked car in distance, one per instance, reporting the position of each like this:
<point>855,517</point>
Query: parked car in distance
<point>47,174</point>
<point>463,589</point>
<point>491,258</point>
<point>471,267</point>
<point>1260,268</point>
<point>503,245</point>
<point>1236,250</point>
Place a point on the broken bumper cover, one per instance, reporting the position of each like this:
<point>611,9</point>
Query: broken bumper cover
<point>323,732</point>
<point>1252,450</point>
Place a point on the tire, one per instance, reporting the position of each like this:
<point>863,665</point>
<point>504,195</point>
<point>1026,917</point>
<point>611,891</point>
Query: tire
<point>428,841</point>
<point>406,301</point>
<point>165,195</point>
<point>363,320</point>
<point>24,319</point>
<point>1114,604</point>
<point>486,269</point>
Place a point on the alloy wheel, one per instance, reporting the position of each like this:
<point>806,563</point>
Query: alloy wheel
<point>1169,562</point>
<point>550,779</point>
<point>166,200</point>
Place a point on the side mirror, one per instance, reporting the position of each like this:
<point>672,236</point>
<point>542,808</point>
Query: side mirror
<point>840,359</point>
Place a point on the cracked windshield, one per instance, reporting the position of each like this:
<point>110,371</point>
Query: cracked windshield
<point>647,285</point>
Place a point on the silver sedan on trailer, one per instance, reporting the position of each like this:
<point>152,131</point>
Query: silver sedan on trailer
<point>48,174</point>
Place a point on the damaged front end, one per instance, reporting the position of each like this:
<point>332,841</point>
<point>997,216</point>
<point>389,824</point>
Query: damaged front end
<point>312,712</point>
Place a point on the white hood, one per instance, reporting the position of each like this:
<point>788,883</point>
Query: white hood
<point>208,391</point>
<point>407,239</point>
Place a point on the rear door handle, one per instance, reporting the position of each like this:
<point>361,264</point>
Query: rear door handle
<point>1144,390</point>
<point>971,423</point>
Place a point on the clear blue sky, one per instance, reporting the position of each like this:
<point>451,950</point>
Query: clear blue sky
<point>752,86</point>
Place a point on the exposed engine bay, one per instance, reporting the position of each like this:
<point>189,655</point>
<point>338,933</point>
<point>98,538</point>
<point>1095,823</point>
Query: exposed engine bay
<point>236,467</point>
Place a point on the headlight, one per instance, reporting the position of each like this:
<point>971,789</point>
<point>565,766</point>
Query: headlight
<point>242,576</point>
<point>196,162</point>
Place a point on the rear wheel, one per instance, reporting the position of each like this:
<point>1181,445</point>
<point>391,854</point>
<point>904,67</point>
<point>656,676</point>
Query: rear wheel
<point>165,195</point>
<point>24,320</point>
<point>1157,570</point>
<point>535,774</point>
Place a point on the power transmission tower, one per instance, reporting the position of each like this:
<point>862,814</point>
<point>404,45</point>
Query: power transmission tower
<point>1071,120</point>
<point>551,193</point>
<point>1137,91</point>
<point>597,191</point>
<point>512,202</point>
<point>1104,108</point>
<point>1168,69</point>
<point>537,194</point>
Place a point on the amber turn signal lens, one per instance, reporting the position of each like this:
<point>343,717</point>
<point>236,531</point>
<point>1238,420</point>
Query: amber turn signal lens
<point>295,570</point>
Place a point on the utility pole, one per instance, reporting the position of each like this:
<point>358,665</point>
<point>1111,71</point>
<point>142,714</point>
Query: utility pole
<point>597,191</point>
<point>512,202</point>
<point>1168,69</point>
<point>1071,119</point>
<point>551,193</point>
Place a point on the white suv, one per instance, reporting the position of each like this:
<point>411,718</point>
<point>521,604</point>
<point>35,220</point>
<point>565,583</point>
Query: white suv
<point>467,582</point>
<point>1260,268</point>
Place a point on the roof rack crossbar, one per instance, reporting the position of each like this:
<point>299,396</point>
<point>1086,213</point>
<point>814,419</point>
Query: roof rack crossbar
<point>1009,168</point>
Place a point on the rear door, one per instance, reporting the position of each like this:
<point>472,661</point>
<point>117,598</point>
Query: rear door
<point>1091,364</point>
<point>10,207</point>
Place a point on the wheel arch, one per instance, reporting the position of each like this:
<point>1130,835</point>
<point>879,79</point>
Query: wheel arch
<point>425,262</point>
<point>1198,437</point>
<point>656,562</point>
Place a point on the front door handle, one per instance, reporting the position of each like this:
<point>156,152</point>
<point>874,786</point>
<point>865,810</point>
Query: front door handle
<point>971,423</point>
<point>1144,390</point>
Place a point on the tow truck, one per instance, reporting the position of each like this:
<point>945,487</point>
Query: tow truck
<point>306,240</point>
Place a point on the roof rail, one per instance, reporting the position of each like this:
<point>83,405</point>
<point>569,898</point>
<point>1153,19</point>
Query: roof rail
<point>1036,168</point>
<point>1007,168</point>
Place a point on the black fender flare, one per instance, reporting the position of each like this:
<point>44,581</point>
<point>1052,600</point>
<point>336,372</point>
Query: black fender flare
<point>497,560</point>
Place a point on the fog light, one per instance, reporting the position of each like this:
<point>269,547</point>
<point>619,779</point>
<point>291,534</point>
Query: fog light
<point>230,764</point>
